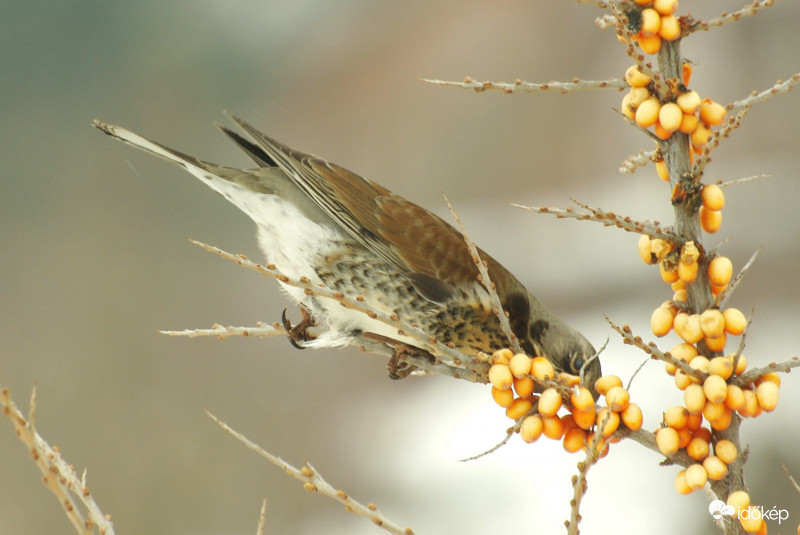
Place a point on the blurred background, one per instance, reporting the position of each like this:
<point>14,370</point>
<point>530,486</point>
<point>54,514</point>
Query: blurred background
<point>95,258</point>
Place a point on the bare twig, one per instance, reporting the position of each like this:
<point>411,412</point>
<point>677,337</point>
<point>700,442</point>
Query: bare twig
<point>779,87</point>
<point>630,165</point>
<point>59,476</point>
<point>261,330</point>
<point>601,5</point>
<point>313,482</point>
<point>742,180</point>
<point>724,18</point>
<point>713,142</point>
<point>723,296</point>
<point>519,86</point>
<point>262,518</point>
<point>791,479</point>
<point>773,367</point>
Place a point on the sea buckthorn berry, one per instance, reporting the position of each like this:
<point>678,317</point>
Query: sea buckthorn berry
<point>680,483</point>
<point>682,381</point>
<point>504,397</point>
<point>609,420</point>
<point>716,290</point>
<point>710,220</point>
<point>524,387</point>
<point>694,398</point>
<point>700,363</point>
<point>542,369</point>
<point>667,276</point>
<point>688,102</point>
<point>606,383</point>
<point>751,519</point>
<point>715,468</point>
<point>713,411</point>
<point>531,428</point>
<point>680,295</point>
<point>726,451</point>
<point>599,446</point>
<point>735,322</point>
<point>502,356</point>
<point>735,399</point>
<point>670,28</point>
<point>500,376</point>
<point>720,270</point>
<point>663,173</point>
<point>767,395</point>
<point>712,113</point>
<point>690,331</point>
<point>751,408</point>
<point>568,422</point>
<point>738,499</point>
<point>632,417</point>
<point>687,272</point>
<point>660,248</point>
<point>712,322</point>
<point>549,402</point>
<point>584,418</point>
<point>771,377</point>
<point>661,132</point>
<point>647,112</point>
<point>617,399</point>
<point>697,449</point>
<point>644,250</point>
<point>689,122</point>
<point>700,136</point>
<point>723,421</point>
<point>684,436</point>
<point>665,7</point>
<point>694,423</point>
<point>696,476</point>
<point>670,116</point>
<point>519,408</point>
<point>651,22</point>
<point>574,440</point>
<point>685,352</point>
<point>686,73</point>
<point>676,417</point>
<point>520,365</point>
<point>553,427</point>
<point>716,344</point>
<point>712,197</point>
<point>568,379</point>
<point>627,109</point>
<point>643,2</point>
<point>741,364</point>
<point>720,366</point>
<point>636,78</point>
<point>667,440</point>
<point>661,321</point>
<point>638,95</point>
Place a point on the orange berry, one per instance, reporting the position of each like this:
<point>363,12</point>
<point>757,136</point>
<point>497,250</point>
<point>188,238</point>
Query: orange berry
<point>549,402</point>
<point>684,436</point>
<point>726,451</point>
<point>688,102</point>
<point>663,173</point>
<point>694,398</point>
<point>606,383</point>
<point>741,364</point>
<point>647,112</point>
<point>751,408</point>
<point>715,468</point>
<point>712,322</point>
<point>694,423</point>
<point>723,421</point>
<point>689,122</point>
<point>687,272</point>
<point>676,417</point>
<point>710,220</point>
<point>714,411</point>
<point>661,132</point>
<point>720,366</point>
<point>685,352</point>
<point>712,197</point>
<point>750,519</point>
<point>650,44</point>
<point>502,356</point>
<point>660,248</point>
<point>696,476</point>
<point>500,376</point>
<point>667,276</point>
<point>686,72</point>
<point>636,78</point>
<point>531,428</point>
<point>771,377</point>
<point>520,365</point>
<point>651,22</point>
<point>524,387</point>
<point>699,363</point>
<point>632,417</point>
<point>717,344</point>
<point>661,321</point>
<point>712,113</point>
<point>670,116</point>
<point>617,398</point>
<point>681,295</point>
<point>643,2</point>
<point>667,440</point>
<point>553,427</point>
<point>680,483</point>
<point>542,369</point>
<point>690,329</point>
<point>735,399</point>
<point>767,395</point>
<point>644,250</point>
<point>682,381</point>
<point>665,7</point>
<point>609,420</point>
<point>670,28</point>
<point>519,408</point>
<point>581,399</point>
<point>700,136</point>
<point>574,440</point>
<point>735,322</point>
<point>697,449</point>
<point>739,499</point>
<point>584,418</point>
<point>503,397</point>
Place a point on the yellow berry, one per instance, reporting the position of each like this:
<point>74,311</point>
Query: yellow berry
<point>716,344</point>
<point>685,352</point>
<point>715,389</point>
<point>651,22</point>
<point>647,112</point>
<point>696,476</point>
<point>661,321</point>
<point>617,399</point>
<point>688,123</point>
<point>710,220</point>
<point>720,366</point>
<point>680,483</point>
<point>531,428</point>
<point>606,383</point>
<point>670,28</point>
<point>750,519</point>
<point>687,272</point>
<point>581,399</point>
<point>667,440</point>
<point>738,499</point>
<point>682,381</point>
<point>542,369</point>
<point>644,250</point>
<point>700,363</point>
<point>712,113</point>
<point>715,468</point>
<point>741,364</point>
<point>726,451</point>
<point>670,116</point>
<point>549,402</point>
<point>502,356</point>
<point>751,408</point>
<point>574,440</point>
<point>632,417</point>
<point>735,398</point>
<point>694,398</point>
<point>504,397</point>
<point>735,322</point>
<point>660,248</point>
<point>767,395</point>
<point>520,365</point>
<point>524,387</point>
<point>712,197</point>
<point>663,173</point>
<point>712,322</point>
<point>500,376</point>
<point>636,78</point>
<point>723,421</point>
<point>667,276</point>
<point>720,270</point>
<point>688,102</point>
<point>772,377</point>
<point>584,418</point>
<point>661,132</point>
<point>697,448</point>
<point>676,417</point>
<point>553,427</point>
<point>609,419</point>
<point>665,7</point>
<point>690,331</point>
<point>700,136</point>
<point>519,408</point>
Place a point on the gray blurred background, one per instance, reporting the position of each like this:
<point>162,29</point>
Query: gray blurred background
<point>95,258</point>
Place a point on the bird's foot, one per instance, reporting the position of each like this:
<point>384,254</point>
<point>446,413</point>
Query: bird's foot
<point>298,334</point>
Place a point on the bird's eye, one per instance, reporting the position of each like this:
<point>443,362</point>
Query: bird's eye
<point>577,363</point>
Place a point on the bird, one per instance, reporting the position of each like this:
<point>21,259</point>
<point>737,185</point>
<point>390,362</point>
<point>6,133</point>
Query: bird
<point>317,220</point>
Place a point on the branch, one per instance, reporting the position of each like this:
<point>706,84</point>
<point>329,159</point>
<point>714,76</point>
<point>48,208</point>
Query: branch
<point>261,330</point>
<point>779,87</point>
<point>724,18</point>
<point>773,367</point>
<point>630,165</point>
<point>723,296</point>
<point>519,86</point>
<point>59,477</point>
<point>313,482</point>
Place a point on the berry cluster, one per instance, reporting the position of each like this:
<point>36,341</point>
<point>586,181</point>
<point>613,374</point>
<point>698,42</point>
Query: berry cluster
<point>657,22</point>
<point>514,377</point>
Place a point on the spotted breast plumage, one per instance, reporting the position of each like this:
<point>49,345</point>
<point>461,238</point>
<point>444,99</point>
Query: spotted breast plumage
<point>318,220</point>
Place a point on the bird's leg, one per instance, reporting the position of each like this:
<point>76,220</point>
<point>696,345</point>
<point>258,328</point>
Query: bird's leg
<point>398,366</point>
<point>298,334</point>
